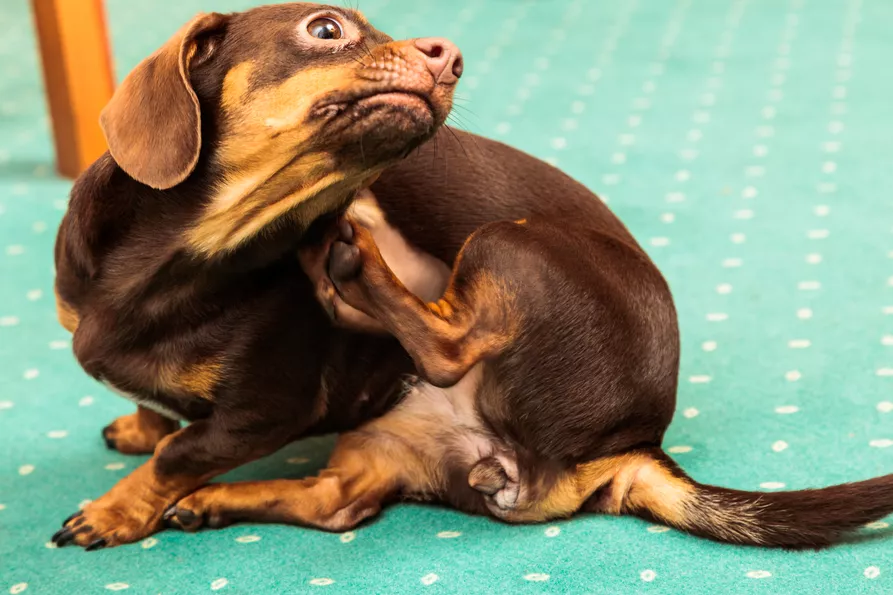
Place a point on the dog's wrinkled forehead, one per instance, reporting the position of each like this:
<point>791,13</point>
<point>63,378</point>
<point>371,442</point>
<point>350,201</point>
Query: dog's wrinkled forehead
<point>268,37</point>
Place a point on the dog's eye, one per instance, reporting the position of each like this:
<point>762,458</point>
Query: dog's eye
<point>325,28</point>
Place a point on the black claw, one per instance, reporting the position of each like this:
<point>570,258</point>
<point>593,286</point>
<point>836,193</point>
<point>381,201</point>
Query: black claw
<point>186,517</point>
<point>109,439</point>
<point>96,545</point>
<point>72,517</point>
<point>170,518</point>
<point>63,537</point>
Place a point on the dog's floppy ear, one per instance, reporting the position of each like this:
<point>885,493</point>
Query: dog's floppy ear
<point>153,122</point>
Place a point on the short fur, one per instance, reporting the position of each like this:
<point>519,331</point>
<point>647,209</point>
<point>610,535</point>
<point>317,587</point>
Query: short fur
<point>548,368</point>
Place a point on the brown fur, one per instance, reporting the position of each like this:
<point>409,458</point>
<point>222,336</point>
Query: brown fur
<point>548,366</point>
<point>66,314</point>
<point>138,433</point>
<point>134,504</point>
<point>180,280</point>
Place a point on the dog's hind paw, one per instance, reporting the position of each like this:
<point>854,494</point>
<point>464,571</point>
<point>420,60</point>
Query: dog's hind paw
<point>205,508</point>
<point>497,478</point>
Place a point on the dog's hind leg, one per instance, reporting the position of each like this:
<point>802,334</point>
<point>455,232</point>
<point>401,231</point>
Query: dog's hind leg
<point>366,470</point>
<point>473,320</point>
<point>539,492</point>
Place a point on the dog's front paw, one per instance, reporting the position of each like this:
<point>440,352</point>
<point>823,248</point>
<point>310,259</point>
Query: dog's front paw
<point>138,433</point>
<point>103,524</point>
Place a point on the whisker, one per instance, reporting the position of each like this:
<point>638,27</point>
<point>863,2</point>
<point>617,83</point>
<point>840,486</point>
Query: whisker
<point>470,137</point>
<point>458,141</point>
<point>367,50</point>
<point>362,152</point>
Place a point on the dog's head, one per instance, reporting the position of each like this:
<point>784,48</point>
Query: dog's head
<point>279,106</point>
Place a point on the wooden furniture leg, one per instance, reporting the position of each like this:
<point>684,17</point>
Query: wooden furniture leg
<point>77,72</point>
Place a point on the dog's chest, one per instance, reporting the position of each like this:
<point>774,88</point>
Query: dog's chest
<point>155,404</point>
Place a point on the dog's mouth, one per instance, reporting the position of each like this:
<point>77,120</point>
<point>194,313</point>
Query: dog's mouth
<point>378,124</point>
<point>397,99</point>
<point>348,108</point>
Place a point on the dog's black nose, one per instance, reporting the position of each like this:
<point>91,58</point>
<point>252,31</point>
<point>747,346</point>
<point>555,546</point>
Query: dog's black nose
<point>443,58</point>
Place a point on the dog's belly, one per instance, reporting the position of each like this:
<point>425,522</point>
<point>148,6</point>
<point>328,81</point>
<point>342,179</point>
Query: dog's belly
<point>444,428</point>
<point>449,417</point>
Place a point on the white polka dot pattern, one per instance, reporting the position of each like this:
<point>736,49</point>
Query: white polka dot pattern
<point>743,142</point>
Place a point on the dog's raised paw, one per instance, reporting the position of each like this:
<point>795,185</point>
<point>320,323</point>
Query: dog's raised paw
<point>345,262</point>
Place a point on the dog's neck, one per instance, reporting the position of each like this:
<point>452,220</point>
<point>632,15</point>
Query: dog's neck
<point>128,240</point>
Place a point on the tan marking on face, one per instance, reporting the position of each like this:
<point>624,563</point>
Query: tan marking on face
<point>271,122</point>
<point>521,221</point>
<point>235,85</point>
<point>276,163</point>
<point>66,314</point>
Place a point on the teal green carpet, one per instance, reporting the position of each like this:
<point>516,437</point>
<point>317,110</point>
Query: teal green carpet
<point>748,144</point>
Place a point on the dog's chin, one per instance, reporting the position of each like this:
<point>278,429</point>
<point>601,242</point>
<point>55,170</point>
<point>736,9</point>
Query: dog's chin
<point>386,127</point>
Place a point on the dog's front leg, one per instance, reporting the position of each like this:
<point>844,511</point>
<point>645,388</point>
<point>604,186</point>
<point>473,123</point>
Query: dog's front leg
<point>138,433</point>
<point>183,461</point>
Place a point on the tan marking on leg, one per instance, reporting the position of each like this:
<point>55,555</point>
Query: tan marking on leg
<point>568,493</point>
<point>445,338</point>
<point>133,508</point>
<point>422,274</point>
<point>366,470</point>
<point>140,432</point>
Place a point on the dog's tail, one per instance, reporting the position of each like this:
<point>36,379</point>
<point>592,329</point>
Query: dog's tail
<point>650,485</point>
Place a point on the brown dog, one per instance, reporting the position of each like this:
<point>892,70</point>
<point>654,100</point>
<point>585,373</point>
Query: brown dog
<point>548,366</point>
